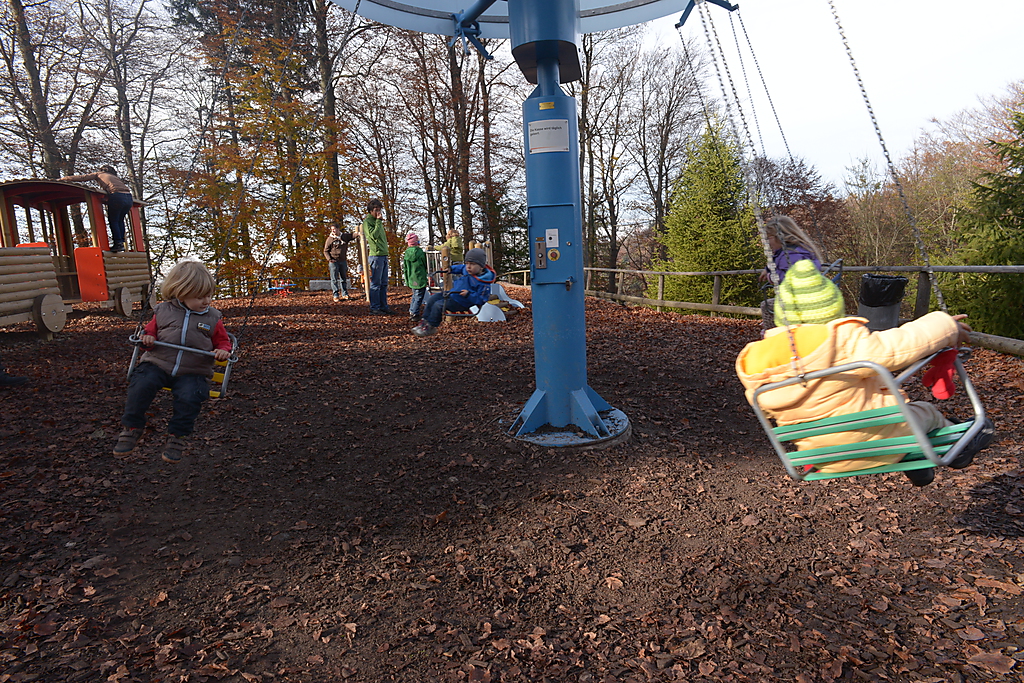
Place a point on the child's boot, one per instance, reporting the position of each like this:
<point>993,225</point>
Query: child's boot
<point>127,439</point>
<point>980,442</point>
<point>173,449</point>
<point>921,477</point>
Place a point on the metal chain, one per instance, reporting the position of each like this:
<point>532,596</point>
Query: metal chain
<point>746,81</point>
<point>778,123</point>
<point>764,83</point>
<point>890,165</point>
<point>773,273</point>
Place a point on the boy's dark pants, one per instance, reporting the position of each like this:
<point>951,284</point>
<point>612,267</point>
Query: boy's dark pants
<point>189,392</point>
<point>436,306</point>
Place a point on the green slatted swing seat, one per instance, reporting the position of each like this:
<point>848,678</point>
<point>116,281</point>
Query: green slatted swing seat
<point>935,449</point>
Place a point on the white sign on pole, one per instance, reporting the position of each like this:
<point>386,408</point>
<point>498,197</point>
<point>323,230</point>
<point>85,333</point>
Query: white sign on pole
<point>550,135</point>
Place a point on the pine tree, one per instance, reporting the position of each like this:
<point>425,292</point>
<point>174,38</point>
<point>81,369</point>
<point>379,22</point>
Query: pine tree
<point>995,302</point>
<point>710,226</point>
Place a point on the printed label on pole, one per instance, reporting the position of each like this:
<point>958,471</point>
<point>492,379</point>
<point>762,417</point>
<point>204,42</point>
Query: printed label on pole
<point>547,105</point>
<point>551,135</point>
<point>552,238</point>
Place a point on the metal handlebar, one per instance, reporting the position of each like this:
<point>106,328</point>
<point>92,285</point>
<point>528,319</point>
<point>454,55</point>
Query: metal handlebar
<point>137,340</point>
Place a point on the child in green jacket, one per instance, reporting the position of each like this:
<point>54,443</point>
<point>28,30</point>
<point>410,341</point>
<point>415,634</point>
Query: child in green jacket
<point>414,267</point>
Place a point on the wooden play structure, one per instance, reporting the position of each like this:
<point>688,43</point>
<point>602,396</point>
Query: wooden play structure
<point>41,278</point>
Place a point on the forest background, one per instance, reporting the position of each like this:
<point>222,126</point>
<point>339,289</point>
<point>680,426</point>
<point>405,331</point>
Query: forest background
<point>248,127</point>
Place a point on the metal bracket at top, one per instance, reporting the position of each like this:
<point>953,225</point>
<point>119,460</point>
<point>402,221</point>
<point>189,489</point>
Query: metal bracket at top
<point>468,31</point>
<point>693,3</point>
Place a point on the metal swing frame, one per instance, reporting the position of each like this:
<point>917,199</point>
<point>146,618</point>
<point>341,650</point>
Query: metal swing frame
<point>922,450</point>
<point>222,368</point>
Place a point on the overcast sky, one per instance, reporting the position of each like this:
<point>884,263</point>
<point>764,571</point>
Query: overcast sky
<point>919,59</point>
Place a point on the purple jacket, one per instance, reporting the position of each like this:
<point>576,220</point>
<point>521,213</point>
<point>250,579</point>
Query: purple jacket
<point>788,255</point>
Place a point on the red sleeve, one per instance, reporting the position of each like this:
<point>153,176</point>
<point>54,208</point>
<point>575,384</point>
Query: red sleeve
<point>220,337</point>
<point>150,328</point>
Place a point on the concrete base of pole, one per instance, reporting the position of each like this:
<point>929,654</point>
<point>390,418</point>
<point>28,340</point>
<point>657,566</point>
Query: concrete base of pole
<point>619,431</point>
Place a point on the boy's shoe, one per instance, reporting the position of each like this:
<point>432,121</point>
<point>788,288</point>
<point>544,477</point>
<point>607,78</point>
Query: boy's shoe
<point>127,439</point>
<point>337,298</point>
<point>11,381</point>
<point>173,449</point>
<point>977,444</point>
<point>117,247</point>
<point>414,318</point>
<point>424,329</point>
<point>921,477</point>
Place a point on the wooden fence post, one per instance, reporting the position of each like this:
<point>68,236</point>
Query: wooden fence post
<point>590,274</point>
<point>621,277</point>
<point>716,292</point>
<point>661,291</point>
<point>924,294</point>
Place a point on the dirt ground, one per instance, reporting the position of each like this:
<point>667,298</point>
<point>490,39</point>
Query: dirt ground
<point>353,511</point>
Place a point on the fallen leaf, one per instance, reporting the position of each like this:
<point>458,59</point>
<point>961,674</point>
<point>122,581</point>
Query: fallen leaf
<point>995,662</point>
<point>282,601</point>
<point>750,520</point>
<point>971,633</point>
<point>613,583</point>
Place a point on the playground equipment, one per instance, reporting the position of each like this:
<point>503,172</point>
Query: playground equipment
<point>921,450</point>
<point>221,368</point>
<point>936,449</point>
<point>39,280</point>
<point>563,410</point>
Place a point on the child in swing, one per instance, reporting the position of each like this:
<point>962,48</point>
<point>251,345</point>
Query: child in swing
<point>822,338</point>
<point>472,289</point>
<point>789,244</point>
<point>184,318</point>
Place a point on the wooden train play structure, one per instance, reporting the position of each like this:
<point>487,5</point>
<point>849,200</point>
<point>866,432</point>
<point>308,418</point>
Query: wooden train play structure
<point>41,279</point>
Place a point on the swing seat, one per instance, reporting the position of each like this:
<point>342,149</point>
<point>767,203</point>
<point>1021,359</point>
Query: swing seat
<point>282,287</point>
<point>221,368</point>
<point>923,450</point>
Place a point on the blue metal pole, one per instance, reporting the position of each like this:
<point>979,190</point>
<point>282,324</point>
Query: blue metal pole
<point>563,397</point>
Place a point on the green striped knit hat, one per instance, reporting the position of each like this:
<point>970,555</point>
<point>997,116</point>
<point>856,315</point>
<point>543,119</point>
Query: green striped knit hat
<point>806,296</point>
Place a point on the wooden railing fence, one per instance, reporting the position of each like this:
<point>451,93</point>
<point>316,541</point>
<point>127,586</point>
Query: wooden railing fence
<point>921,303</point>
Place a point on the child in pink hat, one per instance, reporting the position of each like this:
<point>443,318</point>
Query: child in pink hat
<point>414,267</point>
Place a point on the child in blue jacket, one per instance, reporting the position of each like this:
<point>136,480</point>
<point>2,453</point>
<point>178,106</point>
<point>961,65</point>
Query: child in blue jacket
<point>472,289</point>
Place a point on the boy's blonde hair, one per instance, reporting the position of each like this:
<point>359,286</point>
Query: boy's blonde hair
<point>791,235</point>
<point>188,279</point>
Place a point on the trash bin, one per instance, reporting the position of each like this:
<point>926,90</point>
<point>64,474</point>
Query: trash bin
<point>880,299</point>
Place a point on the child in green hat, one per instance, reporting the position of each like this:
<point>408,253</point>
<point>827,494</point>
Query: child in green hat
<point>812,308</point>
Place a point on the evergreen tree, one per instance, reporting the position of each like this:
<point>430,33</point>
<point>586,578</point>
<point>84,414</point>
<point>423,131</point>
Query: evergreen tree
<point>994,302</point>
<point>710,226</point>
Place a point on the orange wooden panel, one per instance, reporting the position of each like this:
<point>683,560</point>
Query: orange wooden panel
<point>34,244</point>
<point>92,276</point>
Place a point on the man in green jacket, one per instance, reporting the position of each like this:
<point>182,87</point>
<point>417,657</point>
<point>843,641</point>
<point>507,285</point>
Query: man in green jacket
<point>377,245</point>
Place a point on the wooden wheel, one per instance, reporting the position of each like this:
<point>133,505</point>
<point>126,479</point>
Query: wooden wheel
<point>123,302</point>
<point>49,314</point>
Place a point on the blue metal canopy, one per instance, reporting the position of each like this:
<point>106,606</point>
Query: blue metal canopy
<point>435,16</point>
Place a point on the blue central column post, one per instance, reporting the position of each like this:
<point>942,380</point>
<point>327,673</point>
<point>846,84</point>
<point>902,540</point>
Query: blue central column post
<point>544,35</point>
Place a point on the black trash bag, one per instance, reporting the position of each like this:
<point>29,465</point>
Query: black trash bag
<point>882,290</point>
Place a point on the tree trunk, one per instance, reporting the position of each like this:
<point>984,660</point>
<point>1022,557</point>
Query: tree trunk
<point>53,160</point>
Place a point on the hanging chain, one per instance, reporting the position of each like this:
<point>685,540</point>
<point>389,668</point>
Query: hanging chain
<point>746,81</point>
<point>773,273</point>
<point>764,84</point>
<point>890,165</point>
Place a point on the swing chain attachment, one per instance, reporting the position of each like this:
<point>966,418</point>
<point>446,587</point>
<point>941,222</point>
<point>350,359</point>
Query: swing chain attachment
<point>467,29</point>
<point>693,3</point>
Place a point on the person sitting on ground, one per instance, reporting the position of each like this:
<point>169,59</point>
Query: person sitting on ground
<point>184,318</point>
<point>472,289</point>
<point>823,338</point>
<point>8,380</point>
<point>414,267</point>
<point>336,252</point>
<point>119,201</point>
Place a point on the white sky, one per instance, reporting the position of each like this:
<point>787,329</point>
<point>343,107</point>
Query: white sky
<point>919,59</point>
